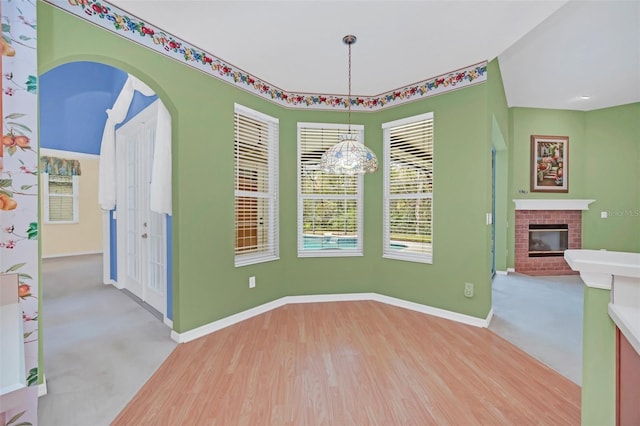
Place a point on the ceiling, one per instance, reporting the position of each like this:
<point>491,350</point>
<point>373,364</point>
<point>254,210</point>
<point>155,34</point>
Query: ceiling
<point>550,52</point>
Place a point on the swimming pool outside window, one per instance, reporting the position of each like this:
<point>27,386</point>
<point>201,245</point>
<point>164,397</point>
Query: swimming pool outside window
<point>329,206</point>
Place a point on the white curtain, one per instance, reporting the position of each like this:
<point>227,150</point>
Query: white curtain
<point>160,192</point>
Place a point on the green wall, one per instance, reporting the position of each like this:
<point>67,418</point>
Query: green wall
<point>612,178</point>
<point>499,131</point>
<point>598,360</point>
<point>604,165</point>
<point>525,122</point>
<point>207,286</point>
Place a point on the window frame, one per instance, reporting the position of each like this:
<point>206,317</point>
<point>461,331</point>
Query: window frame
<point>358,250</point>
<point>387,251</point>
<point>270,250</point>
<point>75,199</point>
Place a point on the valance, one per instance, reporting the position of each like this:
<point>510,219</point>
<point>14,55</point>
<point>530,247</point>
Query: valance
<point>160,186</point>
<point>59,166</point>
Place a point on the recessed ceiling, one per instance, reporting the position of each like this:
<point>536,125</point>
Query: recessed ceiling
<point>550,52</point>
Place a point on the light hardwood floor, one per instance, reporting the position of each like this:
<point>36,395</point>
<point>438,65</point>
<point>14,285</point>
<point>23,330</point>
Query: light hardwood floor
<point>352,363</point>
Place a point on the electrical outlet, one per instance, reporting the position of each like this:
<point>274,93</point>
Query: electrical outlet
<point>252,282</point>
<point>468,289</point>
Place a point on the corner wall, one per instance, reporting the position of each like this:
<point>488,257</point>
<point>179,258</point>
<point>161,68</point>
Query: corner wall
<point>499,131</point>
<point>604,164</point>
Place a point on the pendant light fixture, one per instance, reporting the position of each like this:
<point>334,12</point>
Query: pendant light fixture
<point>349,156</point>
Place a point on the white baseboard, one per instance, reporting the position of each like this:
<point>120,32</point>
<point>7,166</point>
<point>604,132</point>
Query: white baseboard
<point>502,272</point>
<point>42,387</point>
<point>201,331</point>
<point>489,318</point>
<point>436,312</point>
<point>168,322</point>
<point>78,253</point>
<point>511,269</point>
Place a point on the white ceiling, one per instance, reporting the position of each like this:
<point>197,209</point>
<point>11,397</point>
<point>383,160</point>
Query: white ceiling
<point>550,52</point>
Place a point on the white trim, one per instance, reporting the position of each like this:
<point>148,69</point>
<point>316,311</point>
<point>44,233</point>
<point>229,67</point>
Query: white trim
<point>543,204</point>
<point>436,312</point>
<point>203,330</point>
<point>489,318</point>
<point>626,319</point>
<point>407,120</point>
<point>502,272</point>
<point>214,326</point>
<point>106,247</point>
<point>511,270</point>
<point>78,253</point>
<point>596,279</point>
<point>426,141</point>
<point>42,387</point>
<point>71,154</point>
<point>168,322</point>
<point>270,228</point>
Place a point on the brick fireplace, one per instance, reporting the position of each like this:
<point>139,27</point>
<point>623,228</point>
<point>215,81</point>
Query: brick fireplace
<point>561,213</point>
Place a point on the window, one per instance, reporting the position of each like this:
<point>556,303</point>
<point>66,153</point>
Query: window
<point>408,189</point>
<point>256,187</point>
<point>60,198</point>
<point>329,206</point>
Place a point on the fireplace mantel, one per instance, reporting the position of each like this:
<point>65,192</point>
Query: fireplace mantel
<point>555,204</point>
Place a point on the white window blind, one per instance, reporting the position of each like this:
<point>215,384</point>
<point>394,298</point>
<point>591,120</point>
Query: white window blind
<point>256,187</point>
<point>408,189</point>
<point>61,198</point>
<point>329,206</point>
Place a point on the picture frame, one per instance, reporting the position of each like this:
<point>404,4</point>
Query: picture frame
<point>549,163</point>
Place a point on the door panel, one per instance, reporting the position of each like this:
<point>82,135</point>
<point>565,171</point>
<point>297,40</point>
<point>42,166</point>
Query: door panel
<point>143,231</point>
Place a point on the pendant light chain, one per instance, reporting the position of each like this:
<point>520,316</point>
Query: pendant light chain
<point>349,98</point>
<point>350,156</point>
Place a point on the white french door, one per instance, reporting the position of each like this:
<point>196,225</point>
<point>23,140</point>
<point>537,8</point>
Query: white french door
<point>141,233</point>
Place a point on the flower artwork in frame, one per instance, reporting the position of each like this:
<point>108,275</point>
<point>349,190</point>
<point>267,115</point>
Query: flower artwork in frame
<point>549,163</point>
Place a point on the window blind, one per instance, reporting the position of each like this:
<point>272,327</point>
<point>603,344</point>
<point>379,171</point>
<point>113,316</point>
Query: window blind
<point>256,186</point>
<point>329,206</point>
<point>61,199</point>
<point>408,188</point>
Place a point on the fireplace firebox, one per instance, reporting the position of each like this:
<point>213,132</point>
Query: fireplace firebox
<point>548,240</point>
<point>546,212</point>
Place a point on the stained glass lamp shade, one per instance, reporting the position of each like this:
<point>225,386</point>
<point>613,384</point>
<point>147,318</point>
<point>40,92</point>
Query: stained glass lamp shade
<point>349,157</point>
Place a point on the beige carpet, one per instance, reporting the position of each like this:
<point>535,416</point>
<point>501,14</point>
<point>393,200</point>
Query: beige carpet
<point>543,317</point>
<point>100,345</point>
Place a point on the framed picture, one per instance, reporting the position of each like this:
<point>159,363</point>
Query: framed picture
<point>549,163</point>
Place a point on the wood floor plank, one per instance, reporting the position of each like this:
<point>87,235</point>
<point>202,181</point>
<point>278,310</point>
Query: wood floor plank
<point>352,363</point>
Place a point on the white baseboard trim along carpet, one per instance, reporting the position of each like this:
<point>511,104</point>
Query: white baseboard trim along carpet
<point>201,331</point>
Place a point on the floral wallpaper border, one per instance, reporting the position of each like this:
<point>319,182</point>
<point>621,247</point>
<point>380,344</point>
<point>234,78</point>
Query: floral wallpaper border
<point>115,20</point>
